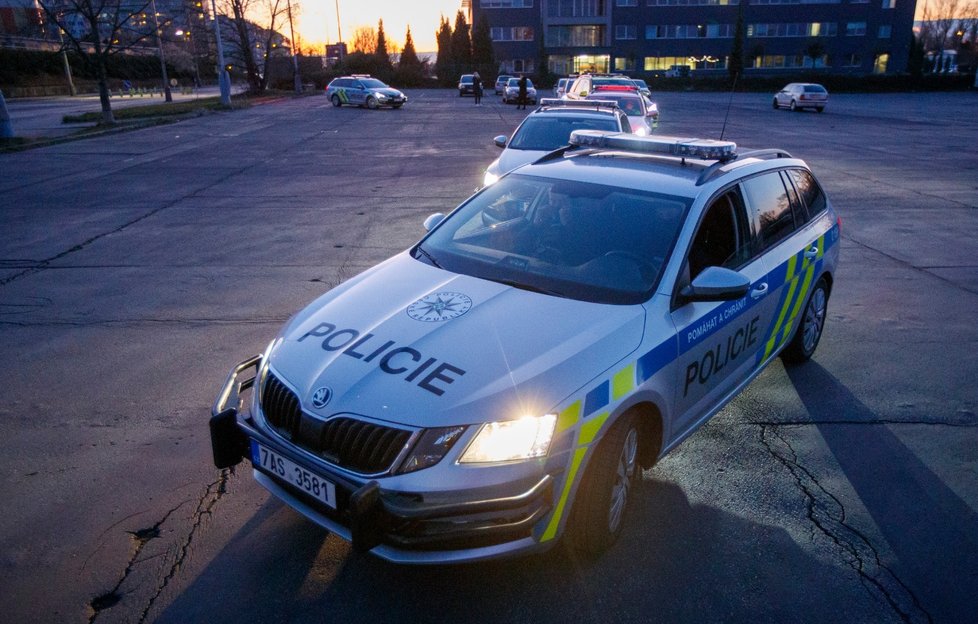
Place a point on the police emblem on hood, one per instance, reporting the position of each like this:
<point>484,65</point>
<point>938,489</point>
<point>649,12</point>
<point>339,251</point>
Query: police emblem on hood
<point>437,307</point>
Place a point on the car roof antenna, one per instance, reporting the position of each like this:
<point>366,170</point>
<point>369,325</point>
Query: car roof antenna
<point>729,103</point>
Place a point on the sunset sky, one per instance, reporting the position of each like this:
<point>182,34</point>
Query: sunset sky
<point>317,19</point>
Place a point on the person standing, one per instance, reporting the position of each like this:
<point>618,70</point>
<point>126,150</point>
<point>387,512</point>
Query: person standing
<point>521,97</point>
<point>477,88</point>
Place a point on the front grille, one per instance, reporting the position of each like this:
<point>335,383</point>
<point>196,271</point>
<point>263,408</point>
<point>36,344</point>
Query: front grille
<point>344,441</point>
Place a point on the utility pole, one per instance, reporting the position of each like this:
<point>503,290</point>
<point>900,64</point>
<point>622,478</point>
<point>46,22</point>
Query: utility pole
<point>223,79</point>
<point>159,44</point>
<point>296,78</point>
<point>64,62</point>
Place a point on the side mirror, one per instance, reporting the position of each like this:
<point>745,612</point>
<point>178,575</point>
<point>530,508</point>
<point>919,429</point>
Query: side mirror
<point>432,221</point>
<point>500,140</point>
<point>716,284</point>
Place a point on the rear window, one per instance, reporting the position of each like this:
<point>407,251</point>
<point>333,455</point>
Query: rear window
<point>542,132</point>
<point>814,89</point>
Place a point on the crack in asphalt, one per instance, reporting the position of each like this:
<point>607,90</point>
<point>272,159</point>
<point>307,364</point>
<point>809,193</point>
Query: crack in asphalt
<point>141,537</point>
<point>213,493</point>
<point>911,266</point>
<point>205,504</point>
<point>828,515</point>
<point>148,321</point>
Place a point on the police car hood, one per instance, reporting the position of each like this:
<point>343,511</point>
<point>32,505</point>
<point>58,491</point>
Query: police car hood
<point>387,91</point>
<point>408,343</point>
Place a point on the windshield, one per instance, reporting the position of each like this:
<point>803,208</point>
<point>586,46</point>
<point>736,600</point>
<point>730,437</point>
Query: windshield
<point>373,83</point>
<point>515,82</point>
<point>572,239</point>
<point>548,132</point>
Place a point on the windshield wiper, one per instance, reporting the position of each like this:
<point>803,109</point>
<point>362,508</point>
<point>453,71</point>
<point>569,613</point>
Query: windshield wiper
<point>427,255</point>
<point>524,286</point>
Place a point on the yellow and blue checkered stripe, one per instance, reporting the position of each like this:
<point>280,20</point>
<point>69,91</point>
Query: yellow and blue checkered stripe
<point>591,413</point>
<point>795,278</point>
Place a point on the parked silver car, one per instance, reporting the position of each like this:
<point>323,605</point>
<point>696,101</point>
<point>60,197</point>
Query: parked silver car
<point>799,95</point>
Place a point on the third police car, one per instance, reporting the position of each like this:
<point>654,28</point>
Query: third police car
<point>499,384</point>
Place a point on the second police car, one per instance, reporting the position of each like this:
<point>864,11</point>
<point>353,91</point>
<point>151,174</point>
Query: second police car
<point>500,384</point>
<point>363,90</point>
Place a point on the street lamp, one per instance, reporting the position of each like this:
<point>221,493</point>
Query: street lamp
<point>296,79</point>
<point>223,79</point>
<point>159,44</point>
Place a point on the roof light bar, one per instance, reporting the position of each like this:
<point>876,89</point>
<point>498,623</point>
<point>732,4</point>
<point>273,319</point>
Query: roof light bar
<point>704,149</point>
<point>556,102</point>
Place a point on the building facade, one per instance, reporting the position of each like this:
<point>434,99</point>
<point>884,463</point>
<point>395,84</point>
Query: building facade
<point>675,37</point>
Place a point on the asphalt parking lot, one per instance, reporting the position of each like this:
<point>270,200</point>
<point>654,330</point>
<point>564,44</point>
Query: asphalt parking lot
<point>137,268</point>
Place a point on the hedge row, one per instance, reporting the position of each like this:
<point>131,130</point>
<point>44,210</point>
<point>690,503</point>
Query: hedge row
<point>20,66</point>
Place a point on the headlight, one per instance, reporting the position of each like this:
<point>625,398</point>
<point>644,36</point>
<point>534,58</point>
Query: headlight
<point>430,449</point>
<point>511,440</point>
<point>489,178</point>
<point>381,96</point>
<point>642,130</point>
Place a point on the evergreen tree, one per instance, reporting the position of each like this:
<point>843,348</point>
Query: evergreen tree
<point>445,62</point>
<point>461,46</point>
<point>383,57</point>
<point>482,54</point>
<point>410,69</point>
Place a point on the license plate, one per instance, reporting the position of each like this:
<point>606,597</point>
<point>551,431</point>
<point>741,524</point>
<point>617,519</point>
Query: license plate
<point>294,474</point>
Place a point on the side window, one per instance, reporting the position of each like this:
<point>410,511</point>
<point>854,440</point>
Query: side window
<point>723,237</point>
<point>809,190</point>
<point>772,209</point>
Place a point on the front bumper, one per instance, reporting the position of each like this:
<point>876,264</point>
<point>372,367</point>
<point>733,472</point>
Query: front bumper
<point>405,527</point>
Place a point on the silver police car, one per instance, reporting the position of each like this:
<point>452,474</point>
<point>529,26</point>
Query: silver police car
<point>363,90</point>
<point>499,385</point>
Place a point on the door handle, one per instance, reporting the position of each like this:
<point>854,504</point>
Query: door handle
<point>811,252</point>
<point>759,291</point>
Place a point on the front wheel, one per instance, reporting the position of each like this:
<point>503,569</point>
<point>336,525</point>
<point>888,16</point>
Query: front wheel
<point>397,105</point>
<point>371,103</point>
<point>793,106</point>
<point>336,101</point>
<point>809,330</point>
<point>602,499</point>
<point>775,103</point>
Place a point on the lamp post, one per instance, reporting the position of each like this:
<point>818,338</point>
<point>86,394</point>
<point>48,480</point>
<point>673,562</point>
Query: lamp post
<point>223,80</point>
<point>159,44</point>
<point>296,78</point>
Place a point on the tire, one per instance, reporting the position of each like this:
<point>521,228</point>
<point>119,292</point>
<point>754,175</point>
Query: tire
<point>819,109</point>
<point>810,326</point>
<point>372,103</point>
<point>775,102</point>
<point>460,94</point>
<point>397,105</point>
<point>793,106</point>
<point>336,101</point>
<point>602,498</point>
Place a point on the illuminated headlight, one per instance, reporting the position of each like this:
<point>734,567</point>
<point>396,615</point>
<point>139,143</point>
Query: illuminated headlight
<point>511,440</point>
<point>381,96</point>
<point>489,178</point>
<point>431,448</point>
<point>642,130</point>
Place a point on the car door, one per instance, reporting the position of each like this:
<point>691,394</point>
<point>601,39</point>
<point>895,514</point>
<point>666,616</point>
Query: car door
<point>783,205</point>
<point>357,92</point>
<point>718,341</point>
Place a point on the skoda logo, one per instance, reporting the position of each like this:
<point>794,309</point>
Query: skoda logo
<point>439,307</point>
<point>321,397</point>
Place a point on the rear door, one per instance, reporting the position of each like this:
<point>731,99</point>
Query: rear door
<point>792,245</point>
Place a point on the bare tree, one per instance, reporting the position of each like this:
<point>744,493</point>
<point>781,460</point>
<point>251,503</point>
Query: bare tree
<point>98,29</point>
<point>365,39</point>
<point>255,36</point>
<point>941,20</point>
